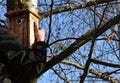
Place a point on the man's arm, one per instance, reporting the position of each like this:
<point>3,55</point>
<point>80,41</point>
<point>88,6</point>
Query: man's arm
<point>39,47</point>
<point>29,62</point>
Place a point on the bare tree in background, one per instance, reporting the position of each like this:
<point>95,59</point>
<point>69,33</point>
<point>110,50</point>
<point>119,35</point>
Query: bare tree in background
<point>77,35</point>
<point>118,31</point>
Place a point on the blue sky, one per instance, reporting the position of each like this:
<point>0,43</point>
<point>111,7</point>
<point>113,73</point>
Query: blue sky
<point>69,22</point>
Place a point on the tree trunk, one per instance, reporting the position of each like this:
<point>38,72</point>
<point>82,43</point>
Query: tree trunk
<point>13,5</point>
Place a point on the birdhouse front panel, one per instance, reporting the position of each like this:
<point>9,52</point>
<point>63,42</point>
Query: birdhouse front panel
<point>22,23</point>
<point>19,25</point>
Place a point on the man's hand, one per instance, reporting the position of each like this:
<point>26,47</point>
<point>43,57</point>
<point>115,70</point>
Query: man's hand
<point>39,33</point>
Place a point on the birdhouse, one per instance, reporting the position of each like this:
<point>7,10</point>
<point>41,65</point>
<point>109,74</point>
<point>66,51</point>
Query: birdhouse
<point>22,23</point>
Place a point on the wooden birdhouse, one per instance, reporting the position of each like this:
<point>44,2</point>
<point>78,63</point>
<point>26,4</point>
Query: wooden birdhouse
<point>22,23</point>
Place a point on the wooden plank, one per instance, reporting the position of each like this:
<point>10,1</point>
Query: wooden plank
<point>24,30</point>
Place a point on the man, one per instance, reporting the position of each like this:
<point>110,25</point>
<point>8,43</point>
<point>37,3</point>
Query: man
<point>21,64</point>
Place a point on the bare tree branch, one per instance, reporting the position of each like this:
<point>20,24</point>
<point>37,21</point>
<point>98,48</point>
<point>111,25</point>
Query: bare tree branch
<point>62,40</point>
<point>79,42</point>
<point>74,7</point>
<point>50,25</point>
<point>98,74</point>
<point>105,63</point>
<point>111,72</point>
<point>66,81</point>
<point>86,69</point>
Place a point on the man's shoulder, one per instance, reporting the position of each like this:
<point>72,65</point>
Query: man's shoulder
<point>8,39</point>
<point>6,31</point>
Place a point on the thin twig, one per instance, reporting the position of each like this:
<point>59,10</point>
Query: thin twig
<point>102,18</point>
<point>86,69</point>
<point>62,40</point>
<point>50,25</point>
<point>105,63</point>
<point>66,81</point>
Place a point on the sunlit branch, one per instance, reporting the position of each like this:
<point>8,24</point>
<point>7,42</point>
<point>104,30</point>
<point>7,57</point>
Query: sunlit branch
<point>74,7</point>
<point>98,74</point>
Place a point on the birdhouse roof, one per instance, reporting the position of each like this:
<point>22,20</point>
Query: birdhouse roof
<point>20,12</point>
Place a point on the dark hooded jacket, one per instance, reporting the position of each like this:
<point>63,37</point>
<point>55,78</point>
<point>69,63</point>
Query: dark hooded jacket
<point>20,63</point>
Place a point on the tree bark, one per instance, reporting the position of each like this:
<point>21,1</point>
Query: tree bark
<point>13,5</point>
